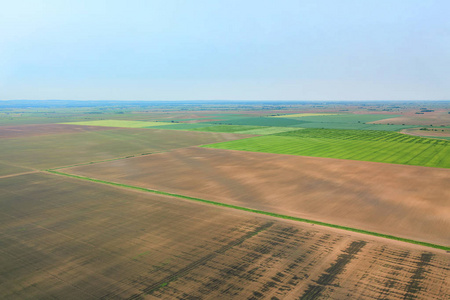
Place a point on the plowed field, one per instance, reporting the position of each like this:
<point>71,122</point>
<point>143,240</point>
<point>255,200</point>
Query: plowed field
<point>70,239</point>
<point>55,150</point>
<point>406,201</point>
<point>44,129</point>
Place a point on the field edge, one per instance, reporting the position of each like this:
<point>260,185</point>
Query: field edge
<point>280,216</point>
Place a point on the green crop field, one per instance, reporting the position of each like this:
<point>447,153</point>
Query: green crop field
<point>262,121</point>
<point>302,115</point>
<point>345,118</point>
<point>356,126</point>
<point>229,116</point>
<point>227,128</point>
<point>268,130</point>
<point>346,121</point>
<point>182,126</point>
<point>241,129</point>
<point>331,121</point>
<point>364,135</point>
<point>121,202</point>
<point>372,146</point>
<point>120,123</point>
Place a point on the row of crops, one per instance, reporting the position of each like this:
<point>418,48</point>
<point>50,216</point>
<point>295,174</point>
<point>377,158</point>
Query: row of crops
<point>386,147</point>
<point>330,121</point>
<point>241,122</point>
<point>363,135</point>
<point>365,145</point>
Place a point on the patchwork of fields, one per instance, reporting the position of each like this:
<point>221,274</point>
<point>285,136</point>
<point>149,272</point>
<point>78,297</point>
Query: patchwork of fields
<point>328,121</point>
<point>375,146</point>
<point>350,193</point>
<point>7,169</point>
<point>131,202</point>
<point>439,117</point>
<point>121,123</point>
<point>64,149</point>
<point>104,242</point>
<point>302,115</point>
<point>44,129</point>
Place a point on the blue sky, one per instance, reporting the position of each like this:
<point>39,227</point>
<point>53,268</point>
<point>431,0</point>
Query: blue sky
<point>225,49</point>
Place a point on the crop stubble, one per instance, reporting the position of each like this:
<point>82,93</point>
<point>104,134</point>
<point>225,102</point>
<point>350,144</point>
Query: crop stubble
<point>99,241</point>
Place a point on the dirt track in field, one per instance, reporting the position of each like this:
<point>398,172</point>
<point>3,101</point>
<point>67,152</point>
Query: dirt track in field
<point>65,238</point>
<point>406,201</point>
<point>45,129</point>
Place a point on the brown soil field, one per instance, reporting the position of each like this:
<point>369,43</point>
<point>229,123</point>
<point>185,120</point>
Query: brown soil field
<point>436,118</point>
<point>405,201</point>
<point>70,239</point>
<point>44,129</point>
<point>435,132</point>
<point>8,169</point>
<point>50,151</point>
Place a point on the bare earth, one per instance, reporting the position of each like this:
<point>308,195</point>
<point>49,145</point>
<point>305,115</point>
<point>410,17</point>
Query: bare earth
<point>406,201</point>
<point>45,129</point>
<point>65,238</point>
<point>436,132</point>
<point>57,150</point>
<point>436,118</point>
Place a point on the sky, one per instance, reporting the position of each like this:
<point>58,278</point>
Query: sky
<point>225,50</point>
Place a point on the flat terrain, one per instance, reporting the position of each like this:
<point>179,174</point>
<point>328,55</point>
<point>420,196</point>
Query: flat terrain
<point>120,123</point>
<point>430,132</point>
<point>364,145</point>
<point>435,118</point>
<point>49,151</point>
<point>63,237</point>
<point>302,115</point>
<point>70,239</point>
<point>310,120</point>
<point>7,169</point>
<point>406,201</point>
<point>44,129</point>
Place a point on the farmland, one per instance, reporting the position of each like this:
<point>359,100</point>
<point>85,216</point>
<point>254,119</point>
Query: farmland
<point>227,128</point>
<point>203,127</point>
<point>137,245</point>
<point>49,151</point>
<point>438,117</point>
<point>262,121</point>
<point>430,132</point>
<point>8,169</point>
<point>349,193</point>
<point>375,146</point>
<point>134,200</point>
<point>44,129</point>
<point>339,118</point>
<point>330,121</point>
<point>120,123</point>
<point>301,115</point>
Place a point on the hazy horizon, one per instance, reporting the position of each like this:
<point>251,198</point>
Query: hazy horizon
<point>215,50</point>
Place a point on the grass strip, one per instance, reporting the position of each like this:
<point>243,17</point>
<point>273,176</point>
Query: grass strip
<point>257,211</point>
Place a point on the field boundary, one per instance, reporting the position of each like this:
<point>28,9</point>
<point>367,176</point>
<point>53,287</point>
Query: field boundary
<point>257,211</point>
